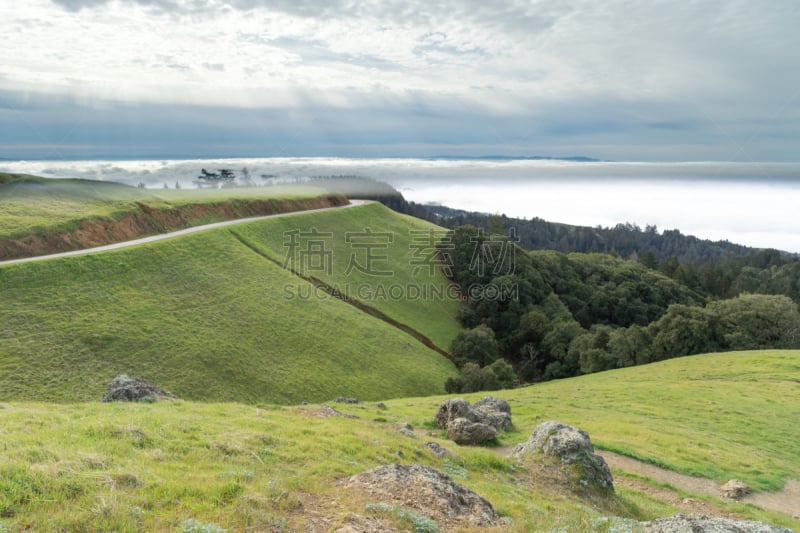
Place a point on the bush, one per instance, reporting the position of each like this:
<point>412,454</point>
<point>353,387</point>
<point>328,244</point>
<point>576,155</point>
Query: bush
<point>476,345</point>
<point>473,378</point>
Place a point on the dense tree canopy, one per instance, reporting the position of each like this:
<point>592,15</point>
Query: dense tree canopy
<point>556,315</point>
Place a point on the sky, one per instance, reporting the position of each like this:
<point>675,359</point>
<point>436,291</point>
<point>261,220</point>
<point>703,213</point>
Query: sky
<point>610,79</point>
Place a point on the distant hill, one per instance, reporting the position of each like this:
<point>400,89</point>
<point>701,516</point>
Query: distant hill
<point>576,158</point>
<point>623,239</point>
<point>218,316</point>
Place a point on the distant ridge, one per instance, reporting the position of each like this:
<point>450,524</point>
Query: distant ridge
<point>575,158</point>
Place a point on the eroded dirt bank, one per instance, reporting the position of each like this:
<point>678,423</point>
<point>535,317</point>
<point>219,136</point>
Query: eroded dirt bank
<point>146,220</point>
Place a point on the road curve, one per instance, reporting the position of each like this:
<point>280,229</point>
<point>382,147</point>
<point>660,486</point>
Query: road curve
<point>173,234</point>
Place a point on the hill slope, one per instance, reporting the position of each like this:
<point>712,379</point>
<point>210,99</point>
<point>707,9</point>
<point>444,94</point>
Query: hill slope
<point>152,467</point>
<point>210,319</point>
<point>39,216</point>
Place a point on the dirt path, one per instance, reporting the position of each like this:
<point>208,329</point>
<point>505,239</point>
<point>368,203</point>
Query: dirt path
<point>172,235</point>
<point>786,501</point>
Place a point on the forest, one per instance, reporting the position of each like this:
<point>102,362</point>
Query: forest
<point>576,313</point>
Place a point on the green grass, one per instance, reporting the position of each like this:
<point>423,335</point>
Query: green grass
<point>433,313</point>
<point>719,416</point>
<point>207,318</point>
<point>30,205</point>
<point>155,467</point>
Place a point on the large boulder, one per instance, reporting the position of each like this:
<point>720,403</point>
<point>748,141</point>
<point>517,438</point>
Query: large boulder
<point>494,411</point>
<point>466,424</point>
<point>490,403</point>
<point>572,446</point>
<point>463,431</point>
<point>127,389</point>
<point>428,492</point>
<point>455,408</point>
<point>681,523</point>
<point>558,439</point>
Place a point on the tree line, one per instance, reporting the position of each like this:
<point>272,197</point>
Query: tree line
<point>576,313</point>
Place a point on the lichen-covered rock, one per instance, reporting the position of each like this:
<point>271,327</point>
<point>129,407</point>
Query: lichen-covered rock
<point>495,412</point>
<point>127,389</point>
<point>572,446</point>
<point>406,429</point>
<point>734,489</point>
<point>490,411</point>
<point>454,408</point>
<point>427,491</point>
<point>556,438</point>
<point>491,403</point>
<point>463,431</point>
<point>681,523</point>
<point>437,450</point>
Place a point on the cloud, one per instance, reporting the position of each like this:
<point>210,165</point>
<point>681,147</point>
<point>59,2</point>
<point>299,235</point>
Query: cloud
<point>667,80</point>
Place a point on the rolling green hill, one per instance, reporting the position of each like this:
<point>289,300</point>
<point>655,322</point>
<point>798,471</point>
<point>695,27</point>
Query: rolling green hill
<point>418,299</point>
<point>720,416</point>
<point>210,318</point>
<point>35,205</point>
<point>152,467</point>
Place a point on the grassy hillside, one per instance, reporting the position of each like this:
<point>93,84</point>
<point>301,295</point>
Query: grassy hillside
<point>152,467</point>
<point>719,416</point>
<point>208,318</point>
<point>432,313</point>
<point>34,205</point>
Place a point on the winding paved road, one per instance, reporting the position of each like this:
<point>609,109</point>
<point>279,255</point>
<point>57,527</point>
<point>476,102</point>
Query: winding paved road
<point>173,234</point>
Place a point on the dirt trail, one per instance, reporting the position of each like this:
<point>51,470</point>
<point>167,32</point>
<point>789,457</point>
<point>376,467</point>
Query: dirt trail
<point>179,233</point>
<point>786,501</point>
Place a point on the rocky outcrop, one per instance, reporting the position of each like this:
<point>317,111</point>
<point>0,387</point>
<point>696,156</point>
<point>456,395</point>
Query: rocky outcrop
<point>495,412</point>
<point>452,409</point>
<point>426,491</point>
<point>734,489</point>
<point>462,431</point>
<point>681,523</point>
<point>572,446</point>
<point>466,424</point>
<point>127,389</point>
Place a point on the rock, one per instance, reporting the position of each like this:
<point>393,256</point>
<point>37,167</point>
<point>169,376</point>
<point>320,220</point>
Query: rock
<point>327,410</point>
<point>463,431</point>
<point>454,408</point>
<point>428,492</point>
<point>381,405</point>
<point>345,400</point>
<point>407,429</point>
<point>734,489</point>
<point>495,411</point>
<point>490,411</point>
<point>490,403</point>
<point>438,451</point>
<point>555,438</point>
<point>572,446</point>
<point>127,389</point>
<point>681,523</point>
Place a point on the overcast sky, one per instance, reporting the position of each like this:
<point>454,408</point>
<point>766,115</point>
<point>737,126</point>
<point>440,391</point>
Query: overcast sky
<point>617,80</point>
